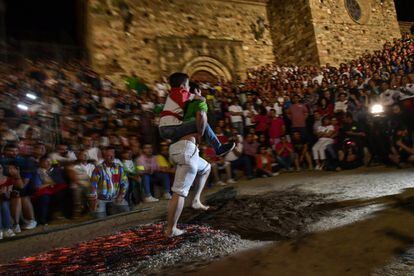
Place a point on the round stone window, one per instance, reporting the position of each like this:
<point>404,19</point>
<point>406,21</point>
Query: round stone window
<point>354,9</point>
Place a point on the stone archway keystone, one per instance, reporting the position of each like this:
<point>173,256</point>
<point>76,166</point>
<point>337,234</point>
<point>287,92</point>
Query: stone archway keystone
<point>208,64</point>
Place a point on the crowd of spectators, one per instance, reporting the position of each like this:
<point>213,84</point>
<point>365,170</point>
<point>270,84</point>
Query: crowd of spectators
<point>72,143</point>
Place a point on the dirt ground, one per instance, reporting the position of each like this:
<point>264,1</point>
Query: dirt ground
<point>363,245</point>
<point>372,222</point>
<point>272,216</point>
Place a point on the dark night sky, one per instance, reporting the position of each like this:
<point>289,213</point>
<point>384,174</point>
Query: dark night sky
<point>405,10</point>
<point>42,20</point>
<point>57,21</point>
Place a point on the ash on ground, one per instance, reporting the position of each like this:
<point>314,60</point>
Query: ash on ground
<point>193,253</point>
<point>138,250</point>
<point>272,216</point>
<point>401,265</point>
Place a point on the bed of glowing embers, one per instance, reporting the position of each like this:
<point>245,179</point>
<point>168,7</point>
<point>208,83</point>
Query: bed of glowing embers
<point>113,253</point>
<point>145,250</point>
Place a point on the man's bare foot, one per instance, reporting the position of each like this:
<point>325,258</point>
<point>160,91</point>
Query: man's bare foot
<point>173,233</point>
<point>197,205</point>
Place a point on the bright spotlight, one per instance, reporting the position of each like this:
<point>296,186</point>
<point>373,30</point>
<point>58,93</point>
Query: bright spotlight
<point>22,107</point>
<point>31,96</point>
<point>377,109</point>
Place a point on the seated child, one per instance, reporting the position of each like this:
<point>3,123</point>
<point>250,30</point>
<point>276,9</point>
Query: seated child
<point>264,160</point>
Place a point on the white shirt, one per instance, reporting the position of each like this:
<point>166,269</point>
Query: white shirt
<point>93,154</point>
<point>326,129</point>
<point>236,118</point>
<point>341,106</point>
<point>106,85</point>
<point>161,89</point>
<point>231,156</point>
<point>410,87</point>
<point>247,113</point>
<point>389,97</point>
<point>129,165</point>
<point>318,78</point>
<point>108,102</point>
<point>278,108</point>
<point>10,135</point>
<point>57,157</point>
<point>55,106</point>
<point>85,168</point>
<point>148,106</point>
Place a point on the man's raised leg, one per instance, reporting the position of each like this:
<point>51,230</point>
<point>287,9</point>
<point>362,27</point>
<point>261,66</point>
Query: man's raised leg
<point>200,182</point>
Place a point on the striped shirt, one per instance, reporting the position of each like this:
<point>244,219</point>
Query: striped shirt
<point>173,112</point>
<point>109,182</point>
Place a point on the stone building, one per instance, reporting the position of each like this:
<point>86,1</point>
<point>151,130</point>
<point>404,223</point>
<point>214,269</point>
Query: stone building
<point>223,38</point>
<point>406,27</point>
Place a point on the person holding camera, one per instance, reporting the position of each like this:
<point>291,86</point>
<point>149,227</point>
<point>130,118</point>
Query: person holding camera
<point>6,190</point>
<point>402,150</point>
<point>20,197</point>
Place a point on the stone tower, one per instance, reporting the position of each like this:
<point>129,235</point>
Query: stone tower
<point>330,31</point>
<point>223,38</point>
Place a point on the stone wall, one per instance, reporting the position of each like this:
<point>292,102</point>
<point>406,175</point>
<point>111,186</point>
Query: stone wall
<point>156,37</point>
<point>405,26</point>
<point>339,38</point>
<point>292,32</point>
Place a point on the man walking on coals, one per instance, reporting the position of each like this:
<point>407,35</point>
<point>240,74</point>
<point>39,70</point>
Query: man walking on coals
<point>184,121</point>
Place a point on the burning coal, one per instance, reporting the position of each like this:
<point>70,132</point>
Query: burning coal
<point>104,254</point>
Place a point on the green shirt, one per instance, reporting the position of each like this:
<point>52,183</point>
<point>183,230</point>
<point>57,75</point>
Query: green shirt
<point>193,107</point>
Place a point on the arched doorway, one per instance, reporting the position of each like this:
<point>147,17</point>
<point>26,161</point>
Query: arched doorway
<point>207,67</point>
<point>203,76</point>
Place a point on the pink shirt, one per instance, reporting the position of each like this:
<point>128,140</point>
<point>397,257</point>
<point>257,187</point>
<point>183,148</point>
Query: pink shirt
<point>298,112</point>
<point>276,128</point>
<point>250,148</point>
<point>149,163</point>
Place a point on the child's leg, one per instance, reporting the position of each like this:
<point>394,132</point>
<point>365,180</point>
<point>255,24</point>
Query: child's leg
<point>282,162</point>
<point>5,217</point>
<point>175,133</point>
<point>16,209</point>
<point>206,131</point>
<point>146,181</point>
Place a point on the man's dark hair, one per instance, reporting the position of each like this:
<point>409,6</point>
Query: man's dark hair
<point>10,146</point>
<point>12,163</point>
<point>109,148</point>
<point>177,79</point>
<point>349,115</point>
<point>397,105</point>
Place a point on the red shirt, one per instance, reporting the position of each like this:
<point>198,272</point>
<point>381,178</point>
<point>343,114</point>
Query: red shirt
<point>276,128</point>
<point>298,112</point>
<point>222,138</point>
<point>285,152</point>
<point>8,182</point>
<point>261,122</point>
<point>210,154</point>
<point>329,110</point>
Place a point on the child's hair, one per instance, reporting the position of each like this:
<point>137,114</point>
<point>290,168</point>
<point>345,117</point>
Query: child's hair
<point>262,147</point>
<point>193,86</point>
<point>177,79</point>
